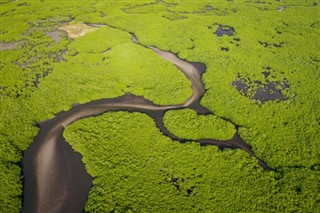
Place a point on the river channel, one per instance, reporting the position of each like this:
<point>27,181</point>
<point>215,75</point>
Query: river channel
<point>55,178</point>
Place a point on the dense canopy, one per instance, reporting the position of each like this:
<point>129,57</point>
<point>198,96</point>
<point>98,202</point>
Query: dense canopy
<point>250,49</point>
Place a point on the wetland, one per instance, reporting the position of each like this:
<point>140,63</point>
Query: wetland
<point>55,178</point>
<point>159,106</point>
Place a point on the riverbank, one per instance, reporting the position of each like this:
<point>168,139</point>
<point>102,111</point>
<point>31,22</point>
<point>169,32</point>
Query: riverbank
<point>268,52</point>
<point>55,177</point>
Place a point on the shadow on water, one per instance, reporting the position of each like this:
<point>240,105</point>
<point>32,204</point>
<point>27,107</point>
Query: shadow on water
<point>55,178</point>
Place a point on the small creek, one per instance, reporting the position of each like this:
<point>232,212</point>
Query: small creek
<point>55,178</point>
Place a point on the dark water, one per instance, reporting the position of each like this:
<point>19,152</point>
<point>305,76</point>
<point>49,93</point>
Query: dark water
<point>224,30</point>
<point>264,92</point>
<point>268,92</point>
<point>55,179</point>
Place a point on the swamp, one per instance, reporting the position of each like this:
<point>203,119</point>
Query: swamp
<point>160,106</point>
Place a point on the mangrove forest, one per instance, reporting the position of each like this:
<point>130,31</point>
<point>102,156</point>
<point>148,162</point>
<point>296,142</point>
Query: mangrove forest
<point>160,106</point>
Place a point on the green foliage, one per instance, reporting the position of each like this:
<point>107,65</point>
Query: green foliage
<point>186,124</point>
<point>136,168</point>
<point>119,147</point>
<point>137,173</point>
<point>11,188</point>
<point>151,78</point>
<point>301,186</point>
<point>146,8</point>
<point>100,40</point>
<point>9,153</point>
<point>21,69</point>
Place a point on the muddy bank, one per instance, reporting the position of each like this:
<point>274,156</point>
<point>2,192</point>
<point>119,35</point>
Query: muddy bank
<point>79,29</point>
<point>55,179</point>
<point>10,45</point>
<point>55,35</point>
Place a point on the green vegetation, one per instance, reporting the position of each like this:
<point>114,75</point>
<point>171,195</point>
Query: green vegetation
<point>135,167</point>
<point>22,68</point>
<point>187,124</point>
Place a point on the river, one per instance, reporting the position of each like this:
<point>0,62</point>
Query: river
<point>55,178</point>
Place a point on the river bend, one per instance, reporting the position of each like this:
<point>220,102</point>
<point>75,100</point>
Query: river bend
<point>55,178</point>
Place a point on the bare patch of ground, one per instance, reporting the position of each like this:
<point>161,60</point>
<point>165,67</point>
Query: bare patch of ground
<point>78,30</point>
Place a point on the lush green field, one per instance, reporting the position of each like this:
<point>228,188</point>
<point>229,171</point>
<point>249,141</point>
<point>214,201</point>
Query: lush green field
<point>135,167</point>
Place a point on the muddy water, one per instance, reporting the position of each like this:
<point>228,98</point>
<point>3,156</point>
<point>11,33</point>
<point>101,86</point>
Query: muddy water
<point>192,72</point>
<point>55,179</point>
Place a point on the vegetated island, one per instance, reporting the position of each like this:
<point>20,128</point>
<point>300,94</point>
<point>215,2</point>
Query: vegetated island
<point>54,176</point>
<point>261,81</point>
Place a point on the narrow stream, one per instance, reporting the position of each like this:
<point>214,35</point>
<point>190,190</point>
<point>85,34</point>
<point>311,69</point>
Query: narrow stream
<point>55,179</point>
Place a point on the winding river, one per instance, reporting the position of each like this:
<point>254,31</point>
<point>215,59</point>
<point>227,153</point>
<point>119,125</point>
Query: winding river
<point>55,178</point>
